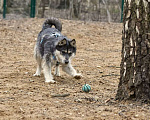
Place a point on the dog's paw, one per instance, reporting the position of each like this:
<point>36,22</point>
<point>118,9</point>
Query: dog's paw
<point>36,74</point>
<point>78,76</point>
<point>50,81</point>
<point>58,75</point>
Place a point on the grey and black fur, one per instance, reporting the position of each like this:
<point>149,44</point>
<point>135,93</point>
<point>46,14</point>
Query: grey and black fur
<point>53,48</point>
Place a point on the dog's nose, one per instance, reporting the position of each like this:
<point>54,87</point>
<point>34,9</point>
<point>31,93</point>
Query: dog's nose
<point>66,61</point>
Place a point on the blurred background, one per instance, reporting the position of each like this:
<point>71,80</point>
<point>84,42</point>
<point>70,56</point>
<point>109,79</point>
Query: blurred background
<point>87,10</point>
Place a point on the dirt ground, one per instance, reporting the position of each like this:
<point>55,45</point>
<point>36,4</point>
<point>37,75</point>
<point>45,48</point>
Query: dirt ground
<point>24,97</point>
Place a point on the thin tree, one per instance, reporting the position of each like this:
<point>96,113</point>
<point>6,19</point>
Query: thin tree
<point>37,7</point>
<point>43,8</point>
<point>135,64</point>
<point>1,5</point>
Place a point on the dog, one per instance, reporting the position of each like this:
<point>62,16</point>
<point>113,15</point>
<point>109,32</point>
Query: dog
<point>53,48</point>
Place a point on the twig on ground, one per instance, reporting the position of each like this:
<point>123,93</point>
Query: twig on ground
<point>60,95</point>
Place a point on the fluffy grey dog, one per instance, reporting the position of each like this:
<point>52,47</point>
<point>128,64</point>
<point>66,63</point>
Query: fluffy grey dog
<point>53,48</point>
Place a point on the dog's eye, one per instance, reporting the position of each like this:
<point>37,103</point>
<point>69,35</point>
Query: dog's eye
<point>70,53</point>
<point>63,52</point>
<point>62,42</point>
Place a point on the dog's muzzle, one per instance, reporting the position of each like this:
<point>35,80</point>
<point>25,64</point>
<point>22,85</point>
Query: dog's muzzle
<point>66,61</point>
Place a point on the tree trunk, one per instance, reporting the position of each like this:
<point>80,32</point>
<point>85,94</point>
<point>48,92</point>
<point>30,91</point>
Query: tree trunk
<point>135,64</point>
<point>75,8</point>
<point>71,9</point>
<point>1,5</point>
<point>43,8</point>
<point>37,7</point>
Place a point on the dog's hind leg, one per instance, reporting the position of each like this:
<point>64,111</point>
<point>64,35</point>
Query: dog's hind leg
<point>38,70</point>
<point>57,72</point>
<point>71,71</point>
<point>47,71</point>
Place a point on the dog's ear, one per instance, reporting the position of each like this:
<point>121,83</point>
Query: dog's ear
<point>73,42</point>
<point>62,42</point>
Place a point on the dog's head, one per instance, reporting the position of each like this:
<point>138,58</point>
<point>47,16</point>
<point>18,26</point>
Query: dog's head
<point>65,50</point>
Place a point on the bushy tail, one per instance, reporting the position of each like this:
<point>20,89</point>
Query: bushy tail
<point>52,21</point>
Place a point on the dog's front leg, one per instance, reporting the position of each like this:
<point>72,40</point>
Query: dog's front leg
<point>71,71</point>
<point>57,72</point>
<point>47,72</point>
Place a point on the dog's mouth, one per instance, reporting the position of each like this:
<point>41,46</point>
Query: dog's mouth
<point>66,61</point>
<point>64,57</point>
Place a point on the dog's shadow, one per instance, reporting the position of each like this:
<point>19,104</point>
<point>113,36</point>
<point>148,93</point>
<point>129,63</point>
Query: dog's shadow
<point>65,79</point>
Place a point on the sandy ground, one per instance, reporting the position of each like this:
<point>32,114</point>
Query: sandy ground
<point>24,97</point>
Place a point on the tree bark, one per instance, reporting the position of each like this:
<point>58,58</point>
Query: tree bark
<point>1,5</point>
<point>75,8</point>
<point>135,64</point>
<point>43,8</point>
<point>71,9</point>
<point>37,7</point>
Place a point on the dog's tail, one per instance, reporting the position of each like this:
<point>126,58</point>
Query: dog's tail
<point>52,21</point>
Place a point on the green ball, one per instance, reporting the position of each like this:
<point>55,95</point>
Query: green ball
<point>86,88</point>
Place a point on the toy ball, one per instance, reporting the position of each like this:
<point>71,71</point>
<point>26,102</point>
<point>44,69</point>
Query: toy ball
<point>86,88</point>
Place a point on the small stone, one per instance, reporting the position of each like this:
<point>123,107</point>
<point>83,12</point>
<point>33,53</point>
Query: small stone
<point>31,80</point>
<point>109,110</point>
<point>98,66</point>
<point>96,98</point>
<point>136,116</point>
<point>78,100</point>
<point>26,72</point>
<point>5,91</point>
